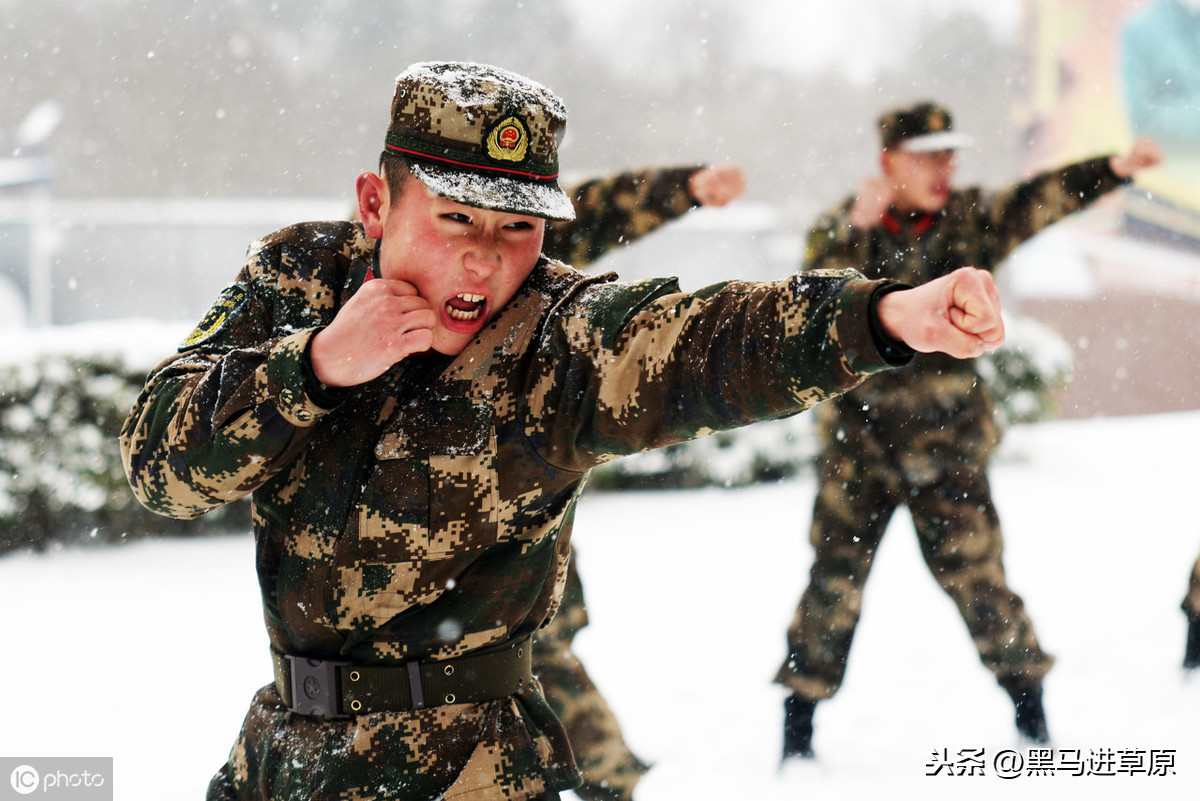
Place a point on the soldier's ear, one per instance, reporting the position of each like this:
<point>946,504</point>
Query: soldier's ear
<point>372,195</point>
<point>885,162</point>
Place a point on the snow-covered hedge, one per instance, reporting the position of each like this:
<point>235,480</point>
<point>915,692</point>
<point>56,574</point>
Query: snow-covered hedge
<point>61,480</point>
<point>1028,371</point>
<point>761,452</point>
<point>1025,375</point>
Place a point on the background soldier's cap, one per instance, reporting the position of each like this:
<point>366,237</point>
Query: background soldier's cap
<point>922,128</point>
<point>481,136</point>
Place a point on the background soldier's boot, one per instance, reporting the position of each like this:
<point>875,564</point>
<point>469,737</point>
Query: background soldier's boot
<point>1031,716</point>
<point>797,726</point>
<point>1191,653</point>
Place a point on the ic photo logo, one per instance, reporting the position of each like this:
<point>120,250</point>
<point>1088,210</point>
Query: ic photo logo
<point>25,779</point>
<point>57,778</point>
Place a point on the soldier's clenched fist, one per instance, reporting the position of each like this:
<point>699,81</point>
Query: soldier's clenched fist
<point>385,322</point>
<point>958,314</point>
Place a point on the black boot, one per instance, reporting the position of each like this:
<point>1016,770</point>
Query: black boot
<point>1191,653</point>
<point>797,727</point>
<point>1031,716</point>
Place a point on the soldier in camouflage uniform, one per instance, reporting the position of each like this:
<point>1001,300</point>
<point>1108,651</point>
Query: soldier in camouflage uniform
<point>609,212</point>
<point>414,403</point>
<point>1191,608</point>
<point>921,436</point>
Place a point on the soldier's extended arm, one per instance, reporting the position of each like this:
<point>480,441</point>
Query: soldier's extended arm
<point>613,211</point>
<point>633,367</point>
<point>1016,213</point>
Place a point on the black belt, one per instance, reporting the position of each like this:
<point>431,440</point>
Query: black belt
<point>332,689</point>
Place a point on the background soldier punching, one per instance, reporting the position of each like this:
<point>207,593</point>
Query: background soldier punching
<point>922,435</point>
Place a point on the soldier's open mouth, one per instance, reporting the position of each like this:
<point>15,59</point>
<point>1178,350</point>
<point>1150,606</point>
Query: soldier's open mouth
<point>465,306</point>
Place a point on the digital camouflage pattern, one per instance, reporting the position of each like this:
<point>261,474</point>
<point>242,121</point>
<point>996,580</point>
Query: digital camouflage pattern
<point>428,513</point>
<point>921,436</point>
<point>481,135</point>
<point>861,482</point>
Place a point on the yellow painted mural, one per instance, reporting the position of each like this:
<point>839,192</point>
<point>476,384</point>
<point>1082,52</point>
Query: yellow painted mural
<point>1106,71</point>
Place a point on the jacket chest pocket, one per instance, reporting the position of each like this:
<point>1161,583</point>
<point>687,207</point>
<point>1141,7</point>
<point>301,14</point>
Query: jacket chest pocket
<point>433,492</point>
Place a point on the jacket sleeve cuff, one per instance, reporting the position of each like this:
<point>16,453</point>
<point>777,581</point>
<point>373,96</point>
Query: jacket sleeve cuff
<point>286,380</point>
<point>1092,178</point>
<point>326,397</point>
<point>685,179</point>
<point>894,351</point>
<point>867,348</point>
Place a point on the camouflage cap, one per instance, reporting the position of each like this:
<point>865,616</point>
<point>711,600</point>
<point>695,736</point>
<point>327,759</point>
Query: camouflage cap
<point>481,136</point>
<point>922,128</point>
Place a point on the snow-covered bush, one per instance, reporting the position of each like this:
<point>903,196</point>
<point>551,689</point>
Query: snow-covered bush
<point>61,479</point>
<point>1027,372</point>
<point>1024,376</point>
<point>761,452</point>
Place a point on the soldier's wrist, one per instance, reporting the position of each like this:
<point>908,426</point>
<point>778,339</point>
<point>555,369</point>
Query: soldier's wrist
<point>323,395</point>
<point>894,351</point>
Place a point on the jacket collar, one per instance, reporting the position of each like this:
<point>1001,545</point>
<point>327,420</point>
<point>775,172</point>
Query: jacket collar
<point>918,224</point>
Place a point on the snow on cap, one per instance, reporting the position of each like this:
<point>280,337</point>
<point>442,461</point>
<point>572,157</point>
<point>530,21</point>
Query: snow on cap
<point>923,128</point>
<point>481,136</point>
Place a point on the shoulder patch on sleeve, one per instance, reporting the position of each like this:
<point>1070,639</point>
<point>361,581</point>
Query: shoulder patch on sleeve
<point>232,298</point>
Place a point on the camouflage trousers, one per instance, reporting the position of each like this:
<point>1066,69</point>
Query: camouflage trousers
<point>960,539</point>
<point>610,770</point>
<point>1191,602</point>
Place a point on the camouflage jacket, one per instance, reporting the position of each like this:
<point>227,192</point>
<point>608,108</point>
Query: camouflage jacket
<point>976,228</point>
<point>428,513</point>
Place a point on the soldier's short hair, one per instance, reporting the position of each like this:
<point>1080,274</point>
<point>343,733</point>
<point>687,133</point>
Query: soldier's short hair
<point>395,171</point>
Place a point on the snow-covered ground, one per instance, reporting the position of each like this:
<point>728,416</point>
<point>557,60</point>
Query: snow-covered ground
<point>149,653</point>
